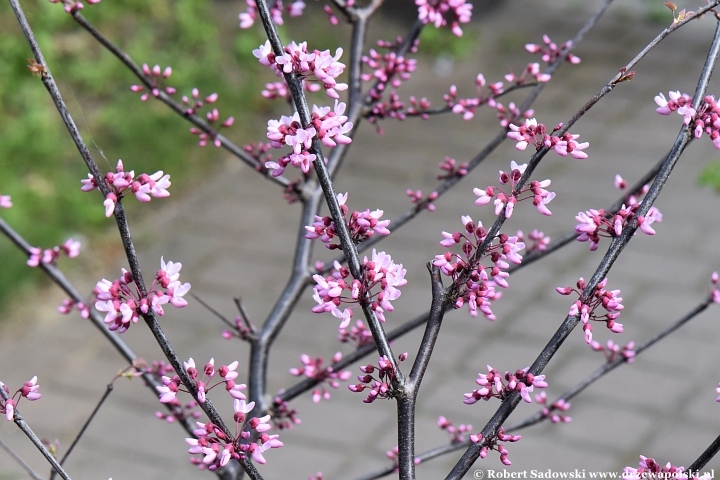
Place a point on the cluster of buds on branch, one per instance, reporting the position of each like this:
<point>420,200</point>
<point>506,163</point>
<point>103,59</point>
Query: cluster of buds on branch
<point>122,302</point>
<point>361,225</point>
<point>313,368</point>
<point>496,385</point>
<point>380,271</point>
<point>144,186</point>
<point>29,390</point>
<point>586,307</point>
<point>507,200</point>
<point>473,284</point>
<point>380,386</point>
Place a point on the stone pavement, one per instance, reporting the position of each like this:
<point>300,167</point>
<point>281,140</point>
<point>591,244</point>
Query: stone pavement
<point>233,234</point>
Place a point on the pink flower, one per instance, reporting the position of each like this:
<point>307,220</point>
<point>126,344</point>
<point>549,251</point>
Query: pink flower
<point>5,201</point>
<point>30,388</point>
<point>444,12</point>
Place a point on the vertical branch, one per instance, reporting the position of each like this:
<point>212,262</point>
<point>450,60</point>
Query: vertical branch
<point>260,346</point>
<point>321,170</point>
<point>407,399</point>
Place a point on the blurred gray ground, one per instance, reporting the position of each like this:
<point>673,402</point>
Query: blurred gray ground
<point>234,238</point>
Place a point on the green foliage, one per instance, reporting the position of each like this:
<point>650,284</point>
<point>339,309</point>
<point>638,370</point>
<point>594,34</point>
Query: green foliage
<point>441,41</point>
<point>710,176</point>
<point>40,166</point>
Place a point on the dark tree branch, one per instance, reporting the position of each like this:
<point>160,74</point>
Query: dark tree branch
<point>616,247</point>
<point>17,418</point>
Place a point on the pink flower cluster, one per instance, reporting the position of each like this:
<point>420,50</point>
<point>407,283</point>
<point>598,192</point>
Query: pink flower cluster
<point>144,186</point>
<point>388,68</point>
<point>533,132</point>
<point>330,126</point>
<point>69,304</point>
<point>553,411</point>
<point>193,104</point>
<point>536,240</point>
<point>507,201</point>
<point>358,334</point>
<point>29,390</point>
<point>452,169</point>
<point>247,18</point>
<point>155,76</point>
<point>217,449</point>
<point>551,52</point>
<point>171,385</point>
<point>5,201</point>
<point>313,368</point>
<point>242,331</point>
<point>361,225</point>
<point>715,293</point>
<point>417,198</point>
<point>467,106</point>
<point>495,385</point>
<point>649,468</point>
<point>380,386</point>
<point>608,299</point>
<point>492,443</point>
<point>472,280</point>
<point>457,434</point>
<point>122,302</point>
<point>611,351</point>
<point>280,90</point>
<point>71,248</point>
<point>71,6</point>
<point>380,271</point>
<point>284,417</point>
<point>296,58</point>
<point>593,224</point>
<point>178,412</point>
<point>706,119</point>
<point>444,12</point>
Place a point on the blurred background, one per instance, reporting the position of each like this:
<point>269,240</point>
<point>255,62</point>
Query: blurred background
<point>232,231</point>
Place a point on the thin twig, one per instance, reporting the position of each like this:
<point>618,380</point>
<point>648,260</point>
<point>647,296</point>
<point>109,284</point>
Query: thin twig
<point>108,390</point>
<point>196,120</point>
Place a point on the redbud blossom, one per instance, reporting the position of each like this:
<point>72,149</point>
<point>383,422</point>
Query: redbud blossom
<point>361,225</point>
<point>144,186</point>
<point>443,12</point>
<point>29,390</point>
<point>586,308</point>
<point>313,368</point>
<point>649,468</point>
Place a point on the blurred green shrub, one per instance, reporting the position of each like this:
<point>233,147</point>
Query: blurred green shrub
<point>39,165</point>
